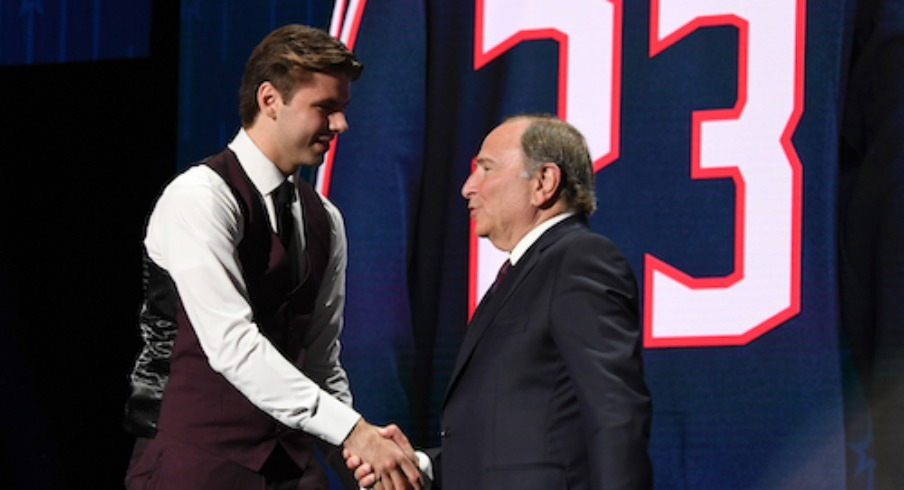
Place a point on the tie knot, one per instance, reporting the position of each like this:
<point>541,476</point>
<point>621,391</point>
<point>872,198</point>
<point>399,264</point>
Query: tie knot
<point>501,274</point>
<point>284,194</point>
<point>504,268</point>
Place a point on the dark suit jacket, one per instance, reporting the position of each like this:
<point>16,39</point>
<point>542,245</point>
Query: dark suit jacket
<point>548,391</point>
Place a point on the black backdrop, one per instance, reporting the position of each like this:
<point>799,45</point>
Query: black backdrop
<point>86,147</point>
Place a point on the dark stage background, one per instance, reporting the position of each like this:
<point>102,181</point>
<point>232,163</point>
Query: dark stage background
<point>87,143</point>
<point>102,103</point>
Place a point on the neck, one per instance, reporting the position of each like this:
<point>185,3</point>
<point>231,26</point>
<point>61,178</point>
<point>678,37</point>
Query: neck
<point>267,146</point>
<point>540,216</point>
<point>545,213</point>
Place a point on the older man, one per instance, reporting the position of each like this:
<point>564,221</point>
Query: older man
<point>548,390</point>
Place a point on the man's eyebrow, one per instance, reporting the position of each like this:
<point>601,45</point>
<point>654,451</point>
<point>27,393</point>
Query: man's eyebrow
<point>334,101</point>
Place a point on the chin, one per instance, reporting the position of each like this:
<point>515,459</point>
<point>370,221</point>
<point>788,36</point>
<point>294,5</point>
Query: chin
<point>314,161</point>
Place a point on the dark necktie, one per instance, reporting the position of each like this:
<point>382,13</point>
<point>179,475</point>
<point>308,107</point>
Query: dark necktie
<point>283,197</point>
<point>501,275</point>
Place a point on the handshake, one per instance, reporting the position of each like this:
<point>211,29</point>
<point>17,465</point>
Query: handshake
<point>382,458</point>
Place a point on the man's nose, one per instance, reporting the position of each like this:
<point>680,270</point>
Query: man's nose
<point>338,123</point>
<point>468,188</point>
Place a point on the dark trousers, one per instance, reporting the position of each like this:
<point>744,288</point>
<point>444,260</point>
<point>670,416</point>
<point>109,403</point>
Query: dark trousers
<point>164,463</point>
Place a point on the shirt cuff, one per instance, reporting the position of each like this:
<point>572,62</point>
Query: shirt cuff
<point>426,467</point>
<point>332,421</point>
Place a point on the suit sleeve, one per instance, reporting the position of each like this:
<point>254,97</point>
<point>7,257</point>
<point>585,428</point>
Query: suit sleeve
<point>594,323</point>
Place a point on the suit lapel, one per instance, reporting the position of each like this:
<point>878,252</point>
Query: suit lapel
<point>490,305</point>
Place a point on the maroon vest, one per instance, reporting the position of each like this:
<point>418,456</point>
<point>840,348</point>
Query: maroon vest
<point>199,405</point>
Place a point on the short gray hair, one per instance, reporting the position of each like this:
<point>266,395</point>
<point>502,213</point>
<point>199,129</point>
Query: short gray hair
<point>550,139</point>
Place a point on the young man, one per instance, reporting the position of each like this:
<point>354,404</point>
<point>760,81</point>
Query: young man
<point>245,284</point>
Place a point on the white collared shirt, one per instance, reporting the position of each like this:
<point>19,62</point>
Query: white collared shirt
<point>534,235</point>
<point>193,233</point>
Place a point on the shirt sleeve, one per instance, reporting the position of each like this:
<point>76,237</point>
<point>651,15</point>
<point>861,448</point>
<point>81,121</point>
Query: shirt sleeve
<point>193,233</point>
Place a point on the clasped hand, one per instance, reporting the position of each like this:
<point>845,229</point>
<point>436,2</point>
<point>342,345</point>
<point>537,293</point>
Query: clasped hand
<point>381,458</point>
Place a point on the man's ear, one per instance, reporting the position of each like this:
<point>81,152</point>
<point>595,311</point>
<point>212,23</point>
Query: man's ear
<point>546,189</point>
<point>268,99</point>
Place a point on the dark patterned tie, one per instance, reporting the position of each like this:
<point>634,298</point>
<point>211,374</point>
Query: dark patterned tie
<point>501,275</point>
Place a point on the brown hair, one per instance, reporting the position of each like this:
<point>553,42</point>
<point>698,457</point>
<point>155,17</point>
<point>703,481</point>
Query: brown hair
<point>287,57</point>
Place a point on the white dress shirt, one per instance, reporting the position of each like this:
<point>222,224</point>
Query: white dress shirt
<point>193,234</point>
<point>534,235</point>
